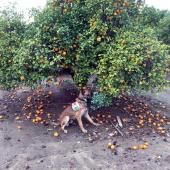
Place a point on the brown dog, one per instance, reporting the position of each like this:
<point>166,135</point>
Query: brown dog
<point>71,113</point>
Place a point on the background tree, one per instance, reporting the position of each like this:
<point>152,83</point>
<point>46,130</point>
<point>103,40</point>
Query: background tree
<point>163,29</point>
<point>151,16</point>
<point>12,29</point>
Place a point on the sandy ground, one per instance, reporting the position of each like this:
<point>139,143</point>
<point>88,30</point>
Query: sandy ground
<point>35,148</point>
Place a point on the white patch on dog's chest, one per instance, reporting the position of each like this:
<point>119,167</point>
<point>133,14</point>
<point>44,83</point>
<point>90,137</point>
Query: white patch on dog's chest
<point>75,106</point>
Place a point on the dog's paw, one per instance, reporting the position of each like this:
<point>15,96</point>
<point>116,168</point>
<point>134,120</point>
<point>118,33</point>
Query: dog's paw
<point>65,131</point>
<point>97,124</point>
<point>84,131</point>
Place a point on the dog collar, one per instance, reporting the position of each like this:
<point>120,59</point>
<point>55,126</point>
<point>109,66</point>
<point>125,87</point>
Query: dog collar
<point>85,100</point>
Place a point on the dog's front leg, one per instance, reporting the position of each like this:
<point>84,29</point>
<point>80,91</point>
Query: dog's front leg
<point>79,119</point>
<point>86,115</point>
<point>65,123</point>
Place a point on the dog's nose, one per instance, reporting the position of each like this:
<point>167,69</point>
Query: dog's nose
<point>88,97</point>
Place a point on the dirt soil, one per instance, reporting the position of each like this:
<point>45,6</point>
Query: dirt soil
<point>32,146</point>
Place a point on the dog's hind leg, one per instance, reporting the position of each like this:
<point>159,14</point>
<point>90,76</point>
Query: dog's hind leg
<point>64,123</point>
<point>86,115</point>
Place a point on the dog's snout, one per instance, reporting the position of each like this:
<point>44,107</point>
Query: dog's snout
<point>88,96</point>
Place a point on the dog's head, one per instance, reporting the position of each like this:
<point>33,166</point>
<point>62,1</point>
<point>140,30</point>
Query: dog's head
<point>85,94</point>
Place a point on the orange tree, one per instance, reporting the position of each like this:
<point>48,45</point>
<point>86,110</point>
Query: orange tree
<point>157,19</point>
<point>70,35</point>
<point>151,16</point>
<point>102,37</point>
<point>12,30</point>
<point>164,29</point>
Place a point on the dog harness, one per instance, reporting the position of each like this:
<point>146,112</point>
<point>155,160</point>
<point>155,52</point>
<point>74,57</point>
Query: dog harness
<point>75,106</point>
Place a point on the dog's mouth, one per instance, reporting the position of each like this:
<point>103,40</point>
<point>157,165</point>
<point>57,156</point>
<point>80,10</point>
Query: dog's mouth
<point>87,96</point>
<point>83,99</point>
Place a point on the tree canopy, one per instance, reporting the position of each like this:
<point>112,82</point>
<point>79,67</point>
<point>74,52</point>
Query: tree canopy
<point>103,37</point>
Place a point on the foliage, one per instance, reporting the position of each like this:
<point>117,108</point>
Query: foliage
<point>100,100</point>
<point>151,16</point>
<point>135,61</point>
<point>157,19</point>
<point>164,30</point>
<point>69,36</point>
<point>12,30</point>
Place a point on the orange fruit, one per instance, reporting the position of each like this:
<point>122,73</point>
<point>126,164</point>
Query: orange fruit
<point>22,78</point>
<point>17,118</point>
<point>140,146</point>
<point>65,10</point>
<point>112,147</point>
<point>109,144</point>
<point>74,46</point>
<point>56,134</point>
<point>154,123</point>
<point>134,147</point>
<point>163,132</point>
<point>146,143</point>
<point>64,53</point>
<point>19,127</point>
<point>144,146</point>
<point>162,121</point>
<point>99,39</point>
<point>33,120</point>
<point>115,13</point>
<point>56,49</point>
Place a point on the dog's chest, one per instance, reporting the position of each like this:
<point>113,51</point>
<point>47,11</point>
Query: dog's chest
<point>75,106</point>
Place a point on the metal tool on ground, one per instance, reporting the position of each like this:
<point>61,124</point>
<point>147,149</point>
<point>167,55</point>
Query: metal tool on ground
<point>117,128</point>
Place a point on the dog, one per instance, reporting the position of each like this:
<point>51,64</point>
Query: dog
<point>77,110</point>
